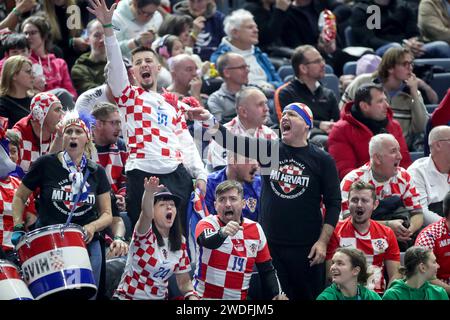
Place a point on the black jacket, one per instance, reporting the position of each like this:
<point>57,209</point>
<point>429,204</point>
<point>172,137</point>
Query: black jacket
<point>397,22</point>
<point>322,102</point>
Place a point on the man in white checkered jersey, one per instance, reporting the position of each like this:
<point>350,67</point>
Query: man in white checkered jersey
<point>156,133</point>
<point>390,180</point>
<point>230,247</point>
<point>359,231</point>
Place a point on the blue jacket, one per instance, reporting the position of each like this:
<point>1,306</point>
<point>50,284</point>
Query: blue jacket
<point>261,57</point>
<point>252,192</point>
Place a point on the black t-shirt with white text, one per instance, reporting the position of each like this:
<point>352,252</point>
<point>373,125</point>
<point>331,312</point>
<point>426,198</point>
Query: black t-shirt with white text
<point>52,179</point>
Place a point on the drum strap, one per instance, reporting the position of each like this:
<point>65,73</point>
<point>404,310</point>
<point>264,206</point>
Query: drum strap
<point>77,198</point>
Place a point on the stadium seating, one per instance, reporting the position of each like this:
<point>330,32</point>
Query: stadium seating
<point>331,81</point>
<point>444,62</point>
<point>431,107</point>
<point>348,36</point>
<point>440,84</point>
<point>349,67</point>
<point>416,155</point>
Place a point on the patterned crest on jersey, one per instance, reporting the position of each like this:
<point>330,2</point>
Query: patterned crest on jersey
<point>289,181</point>
<point>251,204</point>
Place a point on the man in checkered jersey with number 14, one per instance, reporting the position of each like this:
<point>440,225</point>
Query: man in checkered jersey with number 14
<point>230,246</point>
<point>156,133</point>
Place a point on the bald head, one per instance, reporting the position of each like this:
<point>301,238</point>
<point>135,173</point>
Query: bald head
<point>377,143</point>
<point>251,107</point>
<point>178,61</point>
<point>438,133</point>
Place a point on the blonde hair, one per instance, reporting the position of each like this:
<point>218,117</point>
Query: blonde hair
<point>49,8</point>
<point>11,67</point>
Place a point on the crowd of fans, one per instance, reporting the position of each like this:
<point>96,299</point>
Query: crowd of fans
<point>168,131</point>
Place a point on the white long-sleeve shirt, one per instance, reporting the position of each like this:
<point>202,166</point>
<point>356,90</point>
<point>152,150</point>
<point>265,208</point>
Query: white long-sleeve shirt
<point>431,185</point>
<point>156,133</point>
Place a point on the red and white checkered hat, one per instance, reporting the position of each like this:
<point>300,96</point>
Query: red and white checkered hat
<point>73,119</point>
<point>41,104</point>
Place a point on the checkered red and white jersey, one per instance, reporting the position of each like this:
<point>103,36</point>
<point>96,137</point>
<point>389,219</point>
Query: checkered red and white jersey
<point>29,146</point>
<point>8,187</point>
<point>149,268</point>
<point>217,154</point>
<point>378,244</point>
<point>436,236</point>
<point>225,272</point>
<point>400,185</point>
<point>113,158</point>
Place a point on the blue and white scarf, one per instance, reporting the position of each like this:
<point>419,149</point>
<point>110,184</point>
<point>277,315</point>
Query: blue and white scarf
<point>76,177</point>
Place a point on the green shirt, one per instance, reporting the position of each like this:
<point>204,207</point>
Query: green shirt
<point>334,293</point>
<point>399,290</point>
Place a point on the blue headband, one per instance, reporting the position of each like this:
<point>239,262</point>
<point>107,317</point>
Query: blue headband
<point>302,113</point>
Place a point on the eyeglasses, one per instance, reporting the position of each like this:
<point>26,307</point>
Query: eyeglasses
<point>407,64</point>
<point>116,123</point>
<point>144,13</point>
<point>31,33</point>
<point>317,61</point>
<point>244,66</point>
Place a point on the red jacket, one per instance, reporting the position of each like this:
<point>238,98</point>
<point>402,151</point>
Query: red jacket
<point>441,116</point>
<point>348,141</point>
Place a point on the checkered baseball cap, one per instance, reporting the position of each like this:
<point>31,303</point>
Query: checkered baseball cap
<point>303,111</point>
<point>40,104</point>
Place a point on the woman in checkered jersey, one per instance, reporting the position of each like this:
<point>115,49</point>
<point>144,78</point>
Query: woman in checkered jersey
<point>157,250</point>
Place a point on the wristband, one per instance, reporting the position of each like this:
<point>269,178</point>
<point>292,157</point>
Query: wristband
<point>108,25</point>
<point>137,43</point>
<point>119,238</point>
<point>16,12</point>
<point>210,123</point>
<point>19,227</point>
<point>191,293</point>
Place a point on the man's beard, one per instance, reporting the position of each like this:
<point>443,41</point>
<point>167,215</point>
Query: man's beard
<point>147,86</point>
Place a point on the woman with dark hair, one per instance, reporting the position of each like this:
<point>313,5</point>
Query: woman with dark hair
<point>419,268</point>
<point>13,44</point>
<point>207,31</point>
<point>157,250</point>
<point>46,65</point>
<point>178,25</point>
<point>136,22</point>
<point>349,275</point>
<point>16,84</point>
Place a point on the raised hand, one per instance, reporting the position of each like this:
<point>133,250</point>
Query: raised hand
<point>151,185</point>
<point>98,8</point>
